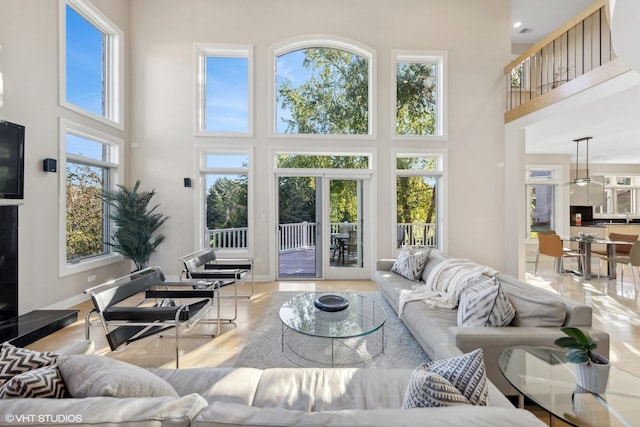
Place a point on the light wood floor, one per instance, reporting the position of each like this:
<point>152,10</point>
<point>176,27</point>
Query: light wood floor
<point>616,310</point>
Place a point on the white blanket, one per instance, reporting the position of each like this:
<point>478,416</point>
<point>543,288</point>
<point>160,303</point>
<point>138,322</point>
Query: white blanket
<point>445,283</point>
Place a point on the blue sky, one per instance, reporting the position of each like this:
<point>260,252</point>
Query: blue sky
<point>227,87</point>
<point>84,63</point>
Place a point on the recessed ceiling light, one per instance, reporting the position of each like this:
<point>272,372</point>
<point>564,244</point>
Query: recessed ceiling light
<point>517,24</point>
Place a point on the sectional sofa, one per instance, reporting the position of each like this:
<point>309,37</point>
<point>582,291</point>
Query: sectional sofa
<point>250,397</point>
<point>108,392</point>
<point>539,315</point>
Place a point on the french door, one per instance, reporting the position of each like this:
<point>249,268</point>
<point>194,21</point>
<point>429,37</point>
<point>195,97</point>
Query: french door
<point>322,227</point>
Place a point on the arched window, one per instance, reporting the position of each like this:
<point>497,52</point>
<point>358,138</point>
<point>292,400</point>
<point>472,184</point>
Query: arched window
<point>323,87</point>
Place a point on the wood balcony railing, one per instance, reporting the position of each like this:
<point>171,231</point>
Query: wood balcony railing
<point>576,56</point>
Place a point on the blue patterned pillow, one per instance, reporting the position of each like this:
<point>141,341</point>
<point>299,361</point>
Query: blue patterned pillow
<point>428,389</point>
<point>467,373</point>
<point>410,262</point>
<point>484,304</point>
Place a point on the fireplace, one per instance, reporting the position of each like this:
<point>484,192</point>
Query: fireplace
<point>21,330</point>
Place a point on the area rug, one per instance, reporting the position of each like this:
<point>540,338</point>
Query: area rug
<point>263,350</point>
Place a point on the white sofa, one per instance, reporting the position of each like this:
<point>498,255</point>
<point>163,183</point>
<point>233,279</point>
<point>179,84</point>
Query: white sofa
<point>437,331</point>
<point>252,397</point>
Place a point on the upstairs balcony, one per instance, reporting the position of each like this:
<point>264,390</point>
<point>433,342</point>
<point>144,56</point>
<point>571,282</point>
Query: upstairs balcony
<point>575,57</point>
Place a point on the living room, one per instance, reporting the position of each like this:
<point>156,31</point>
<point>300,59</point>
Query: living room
<point>156,126</point>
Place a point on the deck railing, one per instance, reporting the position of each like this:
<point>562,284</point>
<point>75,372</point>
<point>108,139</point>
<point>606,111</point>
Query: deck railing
<point>423,234</point>
<point>297,236</point>
<point>303,235</point>
<point>228,238</point>
<point>578,47</point>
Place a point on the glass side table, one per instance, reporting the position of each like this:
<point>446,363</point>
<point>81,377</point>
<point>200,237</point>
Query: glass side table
<point>542,375</point>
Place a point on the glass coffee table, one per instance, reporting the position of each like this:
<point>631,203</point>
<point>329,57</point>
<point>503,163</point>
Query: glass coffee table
<point>312,336</point>
<point>542,375</point>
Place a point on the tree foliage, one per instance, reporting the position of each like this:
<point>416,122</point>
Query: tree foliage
<point>84,224</point>
<point>415,99</point>
<point>227,203</point>
<point>334,100</point>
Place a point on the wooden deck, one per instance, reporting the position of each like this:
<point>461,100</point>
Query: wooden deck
<point>301,263</point>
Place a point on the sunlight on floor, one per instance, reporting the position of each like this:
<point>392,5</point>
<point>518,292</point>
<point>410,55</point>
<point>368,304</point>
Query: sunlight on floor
<point>615,305</point>
<point>296,286</point>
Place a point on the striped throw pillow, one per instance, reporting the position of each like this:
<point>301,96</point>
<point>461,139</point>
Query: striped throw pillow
<point>410,262</point>
<point>15,360</point>
<point>467,373</point>
<point>43,382</point>
<point>485,304</point>
<point>427,389</point>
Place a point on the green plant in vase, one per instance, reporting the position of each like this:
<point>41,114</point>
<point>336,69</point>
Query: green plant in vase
<point>137,223</point>
<point>592,369</point>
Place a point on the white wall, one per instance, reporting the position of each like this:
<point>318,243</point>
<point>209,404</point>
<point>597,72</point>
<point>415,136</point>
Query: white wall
<point>476,36</point>
<point>160,35</point>
<point>29,40</point>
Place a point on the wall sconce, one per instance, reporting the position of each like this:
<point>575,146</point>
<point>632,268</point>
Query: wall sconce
<point>50,165</point>
<point>187,182</point>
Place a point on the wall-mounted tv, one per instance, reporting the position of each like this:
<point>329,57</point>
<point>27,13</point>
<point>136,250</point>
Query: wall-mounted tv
<point>11,160</point>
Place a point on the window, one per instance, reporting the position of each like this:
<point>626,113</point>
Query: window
<point>226,206</point>
<point>620,195</point>
<point>323,87</point>
<point>91,64</point>
<point>225,89</point>
<point>418,187</point>
<point>418,94</point>
<point>91,165</point>
<point>541,195</point>
<point>319,161</point>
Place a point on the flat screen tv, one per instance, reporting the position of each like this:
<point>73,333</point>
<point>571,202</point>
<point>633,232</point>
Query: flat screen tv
<point>11,160</point>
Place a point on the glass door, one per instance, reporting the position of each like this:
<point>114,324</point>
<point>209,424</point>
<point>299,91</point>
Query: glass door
<point>299,250</point>
<point>322,227</point>
<point>347,234</point>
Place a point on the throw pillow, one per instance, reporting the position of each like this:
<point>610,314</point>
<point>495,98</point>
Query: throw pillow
<point>89,375</point>
<point>467,373</point>
<point>16,360</point>
<point>484,304</point>
<point>41,382</point>
<point>410,262</point>
<point>427,389</point>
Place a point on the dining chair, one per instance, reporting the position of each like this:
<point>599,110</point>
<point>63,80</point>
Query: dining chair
<point>620,250</point>
<point>632,260</point>
<point>550,244</point>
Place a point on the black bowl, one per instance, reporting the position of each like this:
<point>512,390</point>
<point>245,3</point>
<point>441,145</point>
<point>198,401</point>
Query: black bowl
<point>331,303</point>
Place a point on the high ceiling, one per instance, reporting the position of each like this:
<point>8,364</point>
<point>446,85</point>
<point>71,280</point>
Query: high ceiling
<point>612,119</point>
<point>542,17</point>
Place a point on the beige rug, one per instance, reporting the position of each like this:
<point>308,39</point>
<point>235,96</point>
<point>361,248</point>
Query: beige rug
<point>263,350</point>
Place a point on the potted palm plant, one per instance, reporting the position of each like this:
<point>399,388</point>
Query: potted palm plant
<point>135,235</point>
<point>592,369</point>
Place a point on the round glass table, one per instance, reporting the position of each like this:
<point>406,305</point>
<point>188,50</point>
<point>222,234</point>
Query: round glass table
<point>311,336</point>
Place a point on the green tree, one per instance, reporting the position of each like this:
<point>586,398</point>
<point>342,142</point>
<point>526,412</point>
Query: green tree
<point>415,99</point>
<point>84,224</point>
<point>227,203</point>
<point>334,100</point>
